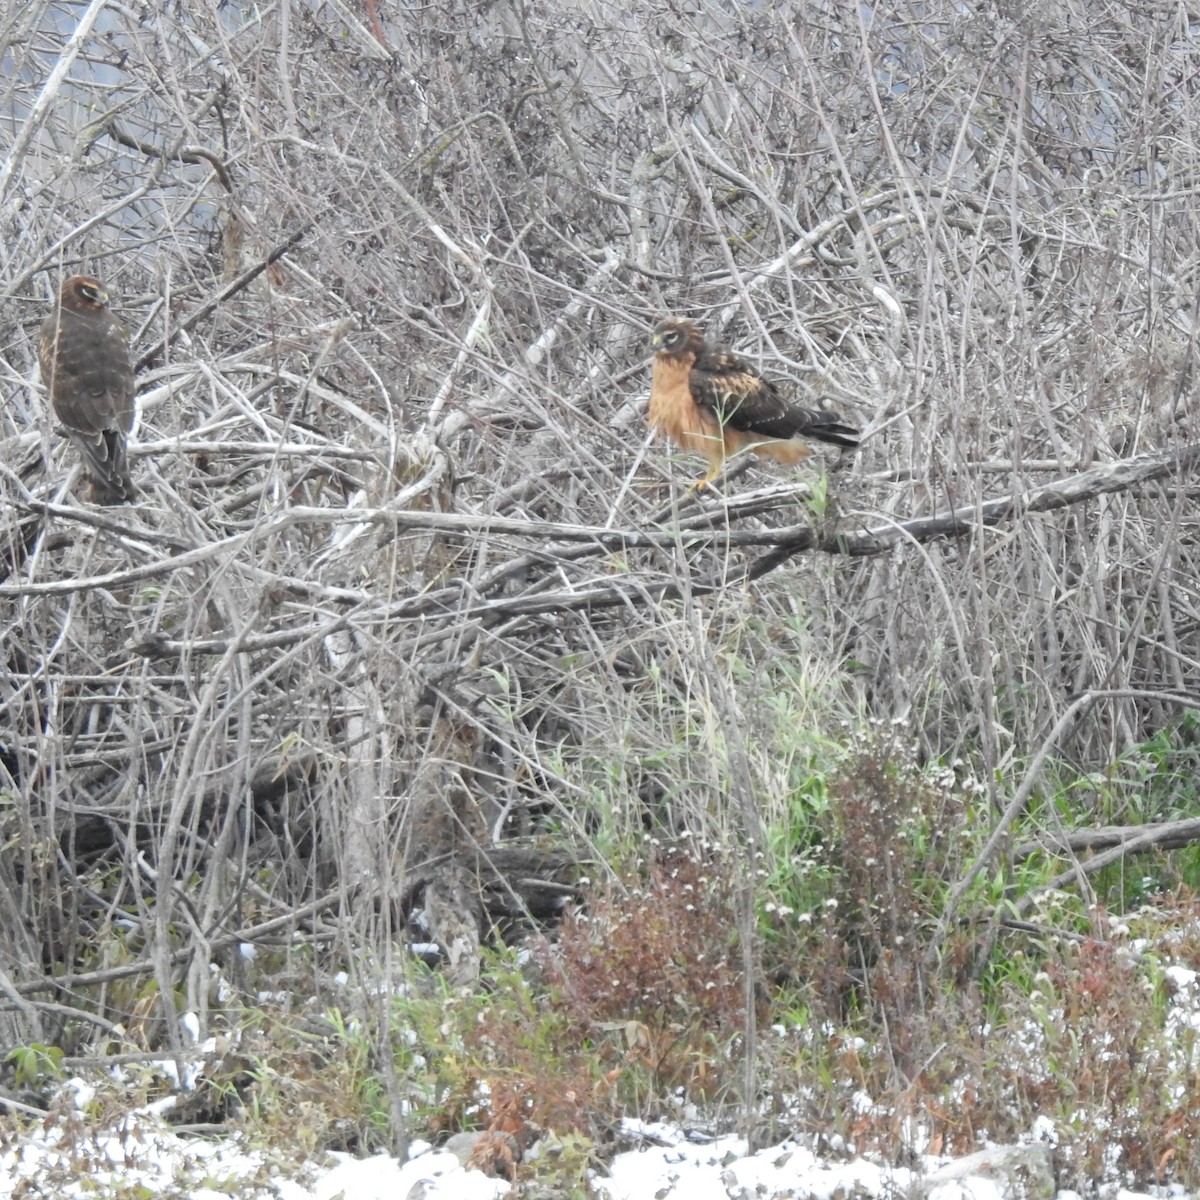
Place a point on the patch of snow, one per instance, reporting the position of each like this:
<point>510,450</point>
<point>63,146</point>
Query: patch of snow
<point>1044,1130</point>
<point>384,1178</point>
<point>1180,977</point>
<point>724,1167</point>
<point>83,1093</point>
<point>971,1188</point>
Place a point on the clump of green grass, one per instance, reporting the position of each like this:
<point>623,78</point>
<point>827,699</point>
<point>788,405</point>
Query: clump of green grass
<point>1072,1017</point>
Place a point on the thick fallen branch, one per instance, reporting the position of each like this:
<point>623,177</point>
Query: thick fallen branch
<point>1164,835</point>
<point>1060,493</point>
<point>1146,837</point>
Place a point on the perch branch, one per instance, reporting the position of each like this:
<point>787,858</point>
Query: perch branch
<point>1060,493</point>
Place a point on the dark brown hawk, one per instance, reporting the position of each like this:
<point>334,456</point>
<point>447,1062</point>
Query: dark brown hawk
<point>87,371</point>
<point>711,401</point>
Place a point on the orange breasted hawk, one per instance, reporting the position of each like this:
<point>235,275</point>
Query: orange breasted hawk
<point>708,400</point>
<point>87,371</point>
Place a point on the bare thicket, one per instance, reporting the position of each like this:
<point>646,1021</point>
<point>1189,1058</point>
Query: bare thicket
<point>410,581</point>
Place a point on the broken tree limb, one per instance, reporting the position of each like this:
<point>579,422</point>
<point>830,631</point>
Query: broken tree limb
<point>1060,493</point>
<point>1165,835</point>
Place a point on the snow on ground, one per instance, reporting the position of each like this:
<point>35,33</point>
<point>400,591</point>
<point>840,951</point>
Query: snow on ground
<point>724,1167</point>
<point>140,1155</point>
<point>383,1178</point>
<point>144,1158</point>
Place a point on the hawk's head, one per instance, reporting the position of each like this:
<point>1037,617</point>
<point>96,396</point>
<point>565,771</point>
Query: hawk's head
<point>82,293</point>
<point>675,338</point>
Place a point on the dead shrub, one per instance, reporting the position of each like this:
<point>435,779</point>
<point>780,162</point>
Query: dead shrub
<point>649,976</point>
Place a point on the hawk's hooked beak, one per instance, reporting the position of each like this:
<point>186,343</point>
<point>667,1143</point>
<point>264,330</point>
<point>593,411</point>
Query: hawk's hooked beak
<point>656,341</point>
